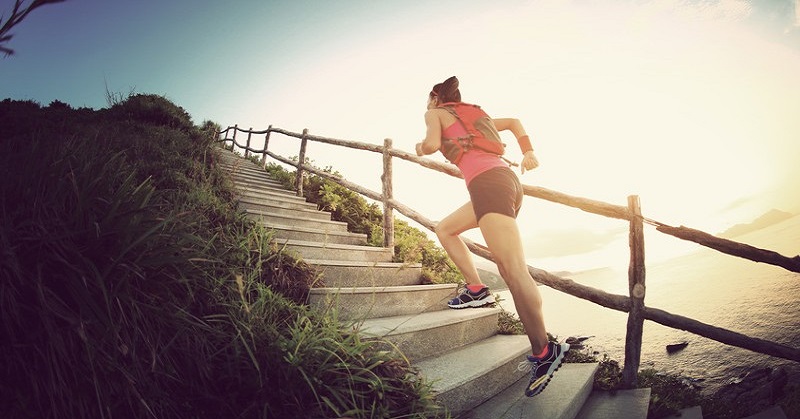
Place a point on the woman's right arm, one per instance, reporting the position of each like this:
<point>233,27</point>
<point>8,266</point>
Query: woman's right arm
<point>433,134</point>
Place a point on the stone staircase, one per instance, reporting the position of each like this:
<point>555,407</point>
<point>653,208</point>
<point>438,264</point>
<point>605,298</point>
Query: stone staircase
<point>474,370</point>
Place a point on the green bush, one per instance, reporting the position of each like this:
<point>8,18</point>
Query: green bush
<point>132,287</point>
<point>345,205</point>
<point>153,110</point>
<point>669,393</point>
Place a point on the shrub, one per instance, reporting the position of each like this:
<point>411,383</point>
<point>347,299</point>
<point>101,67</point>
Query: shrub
<point>669,392</point>
<point>153,110</point>
<point>57,104</point>
<point>131,287</point>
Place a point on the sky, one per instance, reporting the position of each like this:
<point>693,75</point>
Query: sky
<point>692,105</point>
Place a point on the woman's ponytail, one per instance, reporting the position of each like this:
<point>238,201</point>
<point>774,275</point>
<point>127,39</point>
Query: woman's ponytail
<point>447,91</point>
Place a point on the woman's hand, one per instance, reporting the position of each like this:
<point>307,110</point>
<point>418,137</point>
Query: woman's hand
<point>529,162</point>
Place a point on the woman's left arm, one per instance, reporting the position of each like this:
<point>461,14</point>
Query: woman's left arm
<point>512,124</point>
<point>529,160</point>
<point>433,134</point>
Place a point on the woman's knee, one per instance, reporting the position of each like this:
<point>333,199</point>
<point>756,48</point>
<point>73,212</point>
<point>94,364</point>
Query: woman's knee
<point>513,273</point>
<point>446,229</point>
<point>442,231</point>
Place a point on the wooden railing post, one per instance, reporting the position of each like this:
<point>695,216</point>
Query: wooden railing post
<point>247,148</point>
<point>266,145</point>
<point>301,161</point>
<point>636,288</point>
<point>233,141</point>
<point>386,178</point>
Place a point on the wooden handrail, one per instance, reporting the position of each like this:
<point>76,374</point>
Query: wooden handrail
<point>633,304</point>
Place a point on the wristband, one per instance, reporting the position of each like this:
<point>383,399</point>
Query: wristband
<point>525,144</point>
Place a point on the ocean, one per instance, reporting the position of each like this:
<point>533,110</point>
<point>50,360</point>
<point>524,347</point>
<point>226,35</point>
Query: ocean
<point>754,299</point>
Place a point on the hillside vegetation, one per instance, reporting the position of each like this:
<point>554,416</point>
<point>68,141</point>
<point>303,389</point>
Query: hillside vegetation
<point>132,287</point>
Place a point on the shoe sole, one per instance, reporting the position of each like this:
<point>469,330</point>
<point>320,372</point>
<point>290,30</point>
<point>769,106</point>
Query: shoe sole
<point>474,303</point>
<point>538,385</point>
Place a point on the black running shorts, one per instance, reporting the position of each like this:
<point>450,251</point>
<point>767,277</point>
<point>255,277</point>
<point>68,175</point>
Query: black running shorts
<point>496,190</point>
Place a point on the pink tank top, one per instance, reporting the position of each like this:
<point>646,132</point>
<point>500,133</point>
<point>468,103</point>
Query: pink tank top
<point>474,162</point>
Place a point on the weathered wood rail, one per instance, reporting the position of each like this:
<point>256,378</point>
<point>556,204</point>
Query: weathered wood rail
<point>633,303</point>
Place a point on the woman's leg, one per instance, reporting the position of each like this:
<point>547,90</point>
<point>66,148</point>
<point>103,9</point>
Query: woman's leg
<point>503,239</point>
<point>447,231</point>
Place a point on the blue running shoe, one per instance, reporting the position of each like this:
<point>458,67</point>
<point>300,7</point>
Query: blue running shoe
<point>542,370</point>
<point>469,299</point>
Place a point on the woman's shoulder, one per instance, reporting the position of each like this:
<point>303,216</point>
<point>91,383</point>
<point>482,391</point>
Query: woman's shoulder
<point>437,112</point>
<point>443,115</point>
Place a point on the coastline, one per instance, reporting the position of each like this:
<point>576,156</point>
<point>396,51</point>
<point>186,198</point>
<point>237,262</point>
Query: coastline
<point>755,299</point>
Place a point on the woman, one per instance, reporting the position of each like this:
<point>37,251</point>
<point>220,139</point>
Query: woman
<point>469,138</point>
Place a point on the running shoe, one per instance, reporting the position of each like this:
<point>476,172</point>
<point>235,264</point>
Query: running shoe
<point>542,370</point>
<point>469,299</point>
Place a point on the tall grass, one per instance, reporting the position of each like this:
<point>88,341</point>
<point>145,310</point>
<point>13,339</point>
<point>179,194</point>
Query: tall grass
<point>130,286</point>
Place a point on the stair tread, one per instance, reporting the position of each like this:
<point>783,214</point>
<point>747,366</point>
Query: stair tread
<point>361,264</point>
<point>562,398</point>
<point>621,403</point>
<point>290,220</point>
<point>384,326</point>
<point>273,204</point>
<point>300,210</point>
<point>269,193</point>
<point>337,246</point>
<point>454,368</point>
<point>373,290</point>
<point>313,230</point>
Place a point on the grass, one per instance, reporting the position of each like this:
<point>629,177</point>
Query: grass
<point>132,287</point>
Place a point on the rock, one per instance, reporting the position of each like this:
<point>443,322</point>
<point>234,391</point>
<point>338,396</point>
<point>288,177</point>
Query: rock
<point>576,342</point>
<point>756,390</point>
<point>675,347</point>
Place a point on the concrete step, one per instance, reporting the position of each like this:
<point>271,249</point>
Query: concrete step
<point>466,377</point>
<point>228,155</point>
<point>267,194</point>
<point>261,181</point>
<point>283,232</point>
<point>333,251</point>
<point>284,209</point>
<point>296,220</point>
<point>237,159</point>
<point>420,336</point>
<point>361,303</point>
<point>257,178</point>
<point>256,200</point>
<point>347,273</point>
<point>562,399</point>
<point>631,404</point>
<point>241,166</point>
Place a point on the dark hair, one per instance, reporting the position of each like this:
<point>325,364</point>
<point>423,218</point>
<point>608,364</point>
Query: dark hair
<point>447,91</point>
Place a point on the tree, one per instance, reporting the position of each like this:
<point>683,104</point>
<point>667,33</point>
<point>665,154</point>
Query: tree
<point>18,14</point>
